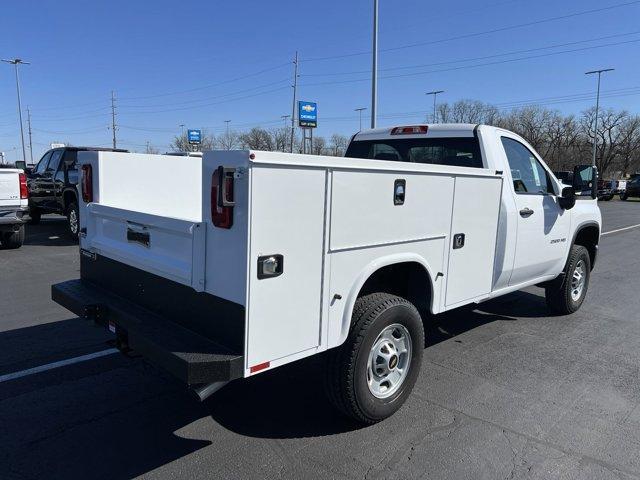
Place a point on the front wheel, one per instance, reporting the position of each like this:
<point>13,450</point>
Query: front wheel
<point>566,294</point>
<point>73,220</point>
<point>608,197</point>
<point>624,196</point>
<point>371,375</point>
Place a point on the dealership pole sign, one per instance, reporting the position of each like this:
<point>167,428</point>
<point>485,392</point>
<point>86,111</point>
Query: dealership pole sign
<point>307,114</point>
<point>194,137</point>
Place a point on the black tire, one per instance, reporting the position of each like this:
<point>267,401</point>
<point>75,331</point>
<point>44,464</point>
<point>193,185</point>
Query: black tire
<point>608,197</point>
<point>559,292</point>
<point>347,365</point>
<point>624,196</point>
<point>34,215</point>
<point>73,220</point>
<point>13,239</point>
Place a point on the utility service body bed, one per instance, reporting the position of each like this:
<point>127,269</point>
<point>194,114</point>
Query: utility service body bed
<point>219,267</point>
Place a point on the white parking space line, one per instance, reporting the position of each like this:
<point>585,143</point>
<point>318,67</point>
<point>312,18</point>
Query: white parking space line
<point>621,229</point>
<point>61,363</point>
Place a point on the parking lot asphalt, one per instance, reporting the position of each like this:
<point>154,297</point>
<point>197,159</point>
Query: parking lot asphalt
<point>506,391</point>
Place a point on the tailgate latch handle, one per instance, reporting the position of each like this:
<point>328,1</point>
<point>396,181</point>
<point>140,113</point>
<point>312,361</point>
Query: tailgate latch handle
<point>137,233</point>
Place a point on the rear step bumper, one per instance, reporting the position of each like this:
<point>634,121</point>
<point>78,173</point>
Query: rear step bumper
<point>190,357</point>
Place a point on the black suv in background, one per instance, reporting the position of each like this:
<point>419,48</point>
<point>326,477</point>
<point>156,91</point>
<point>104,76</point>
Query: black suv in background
<point>52,185</point>
<point>632,189</point>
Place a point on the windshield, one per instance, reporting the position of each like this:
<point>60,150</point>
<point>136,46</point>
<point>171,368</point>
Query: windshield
<point>461,152</point>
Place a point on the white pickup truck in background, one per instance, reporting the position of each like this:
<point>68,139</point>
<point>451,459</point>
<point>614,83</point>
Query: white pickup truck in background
<point>13,205</point>
<point>225,266</point>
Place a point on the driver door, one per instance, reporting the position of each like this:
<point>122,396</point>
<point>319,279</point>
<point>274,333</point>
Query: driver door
<point>543,226</point>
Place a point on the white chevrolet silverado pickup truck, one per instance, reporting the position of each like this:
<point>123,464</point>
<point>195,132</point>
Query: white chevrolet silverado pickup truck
<point>225,266</point>
<point>13,205</point>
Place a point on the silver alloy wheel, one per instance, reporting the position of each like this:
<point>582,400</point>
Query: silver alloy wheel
<point>73,221</point>
<point>389,361</point>
<point>578,280</point>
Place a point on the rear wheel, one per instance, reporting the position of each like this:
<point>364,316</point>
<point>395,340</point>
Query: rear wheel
<point>13,239</point>
<point>371,375</point>
<point>608,197</point>
<point>624,196</point>
<point>566,294</point>
<point>73,220</point>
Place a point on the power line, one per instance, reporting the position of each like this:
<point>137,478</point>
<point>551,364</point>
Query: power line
<point>462,67</point>
<point>471,59</point>
<point>209,104</point>
<point>200,100</point>
<point>204,87</point>
<point>476,34</point>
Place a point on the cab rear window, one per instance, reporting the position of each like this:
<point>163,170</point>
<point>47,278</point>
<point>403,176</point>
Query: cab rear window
<point>460,152</point>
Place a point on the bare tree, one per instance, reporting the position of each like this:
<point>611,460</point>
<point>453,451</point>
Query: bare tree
<point>319,145</point>
<point>229,140</point>
<point>338,145</point>
<point>257,139</point>
<point>629,150</point>
<point>181,143</point>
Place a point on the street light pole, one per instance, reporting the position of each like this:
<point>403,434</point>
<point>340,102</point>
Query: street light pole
<point>435,94</point>
<point>374,66</point>
<point>15,62</point>
<point>595,128</point>
<point>360,110</point>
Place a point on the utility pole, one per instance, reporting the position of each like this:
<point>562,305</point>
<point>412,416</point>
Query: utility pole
<point>15,62</point>
<point>113,117</point>
<point>374,67</point>
<point>293,106</point>
<point>227,122</point>
<point>285,117</point>
<point>29,132</point>
<point>360,110</point>
<point>147,150</point>
<point>435,94</point>
<point>595,128</point>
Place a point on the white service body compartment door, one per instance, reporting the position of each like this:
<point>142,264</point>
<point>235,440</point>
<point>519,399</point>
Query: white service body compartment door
<point>287,218</point>
<point>169,247</point>
<point>476,207</point>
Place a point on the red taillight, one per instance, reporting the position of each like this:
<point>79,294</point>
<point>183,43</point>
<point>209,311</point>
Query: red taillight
<point>24,191</point>
<point>87,183</point>
<point>222,201</point>
<point>409,130</point>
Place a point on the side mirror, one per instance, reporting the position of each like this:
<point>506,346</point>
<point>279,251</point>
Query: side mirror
<point>585,180</point>
<point>21,164</point>
<point>567,200</point>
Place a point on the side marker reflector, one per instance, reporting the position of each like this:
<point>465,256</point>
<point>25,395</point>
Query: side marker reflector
<point>260,366</point>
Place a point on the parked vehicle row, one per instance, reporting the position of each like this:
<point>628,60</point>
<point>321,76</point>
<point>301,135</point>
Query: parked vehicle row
<point>258,259</point>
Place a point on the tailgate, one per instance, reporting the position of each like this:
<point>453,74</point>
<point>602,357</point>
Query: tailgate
<point>9,189</point>
<point>163,246</point>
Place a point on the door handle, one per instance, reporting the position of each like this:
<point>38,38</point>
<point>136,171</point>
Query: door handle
<point>526,212</point>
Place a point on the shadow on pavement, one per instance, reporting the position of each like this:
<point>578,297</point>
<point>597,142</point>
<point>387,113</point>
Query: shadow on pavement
<point>51,232</point>
<point>117,417</point>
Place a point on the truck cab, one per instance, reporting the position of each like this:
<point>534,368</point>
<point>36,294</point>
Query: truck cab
<point>535,229</point>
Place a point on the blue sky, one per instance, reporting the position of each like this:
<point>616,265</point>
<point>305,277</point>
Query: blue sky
<point>200,63</point>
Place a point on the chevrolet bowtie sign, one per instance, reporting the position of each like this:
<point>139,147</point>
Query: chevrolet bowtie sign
<point>307,114</point>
